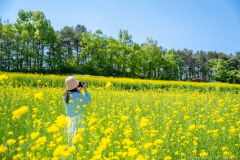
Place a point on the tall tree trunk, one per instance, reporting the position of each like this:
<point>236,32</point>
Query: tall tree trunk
<point>69,50</point>
<point>42,56</point>
<point>77,54</point>
<point>1,56</point>
<point>38,57</point>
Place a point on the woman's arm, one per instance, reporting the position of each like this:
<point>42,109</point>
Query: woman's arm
<point>87,94</point>
<point>88,97</point>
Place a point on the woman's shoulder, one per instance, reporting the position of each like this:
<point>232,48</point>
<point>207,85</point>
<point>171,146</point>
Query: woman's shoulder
<point>76,94</point>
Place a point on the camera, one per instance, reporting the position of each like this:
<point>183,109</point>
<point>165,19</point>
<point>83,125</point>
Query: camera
<point>80,84</point>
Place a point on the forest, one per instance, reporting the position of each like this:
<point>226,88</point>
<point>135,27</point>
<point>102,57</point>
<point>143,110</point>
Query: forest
<point>31,44</point>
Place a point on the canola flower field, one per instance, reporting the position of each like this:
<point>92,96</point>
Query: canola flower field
<point>126,119</point>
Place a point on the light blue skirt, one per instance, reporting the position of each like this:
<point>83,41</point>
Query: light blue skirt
<point>73,124</point>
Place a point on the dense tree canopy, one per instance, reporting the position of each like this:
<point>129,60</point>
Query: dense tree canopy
<point>32,45</point>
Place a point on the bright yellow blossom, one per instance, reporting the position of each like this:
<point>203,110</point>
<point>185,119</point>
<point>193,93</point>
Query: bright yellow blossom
<point>16,114</point>
<point>108,84</point>
<point>61,151</point>
<point>3,149</point>
<point>61,121</point>
<point>203,154</point>
<point>144,122</point>
<point>38,96</point>
<point>11,142</point>
<point>168,158</point>
<point>34,135</point>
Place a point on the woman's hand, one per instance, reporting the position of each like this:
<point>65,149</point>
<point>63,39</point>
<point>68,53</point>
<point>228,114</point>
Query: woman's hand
<point>84,86</point>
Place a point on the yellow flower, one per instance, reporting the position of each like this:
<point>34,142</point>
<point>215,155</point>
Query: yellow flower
<point>147,145</point>
<point>154,151</point>
<point>77,138</point>
<point>140,157</point>
<point>18,156</point>
<point>21,142</point>
<point>11,142</point>
<point>108,84</point>
<point>38,96</point>
<point>59,139</point>
<point>164,135</point>
<point>138,110</point>
<point>127,142</point>
<point>154,133</point>
<point>158,142</point>
<point>232,129</point>
<point>16,114</point>
<point>41,140</point>
<point>72,149</point>
<point>52,129</point>
<point>167,158</point>
<point>3,77</point>
<point>34,135</point>
<point>186,117</point>
<point>3,149</point>
<point>224,148</point>
<point>10,132</point>
<point>61,151</point>
<point>194,151</point>
<point>105,141</point>
<point>124,118</point>
<point>108,131</point>
<point>156,103</point>
<point>61,121</point>
<point>220,120</point>
<point>195,143</point>
<point>127,132</point>
<point>176,153</point>
<point>238,122</point>
<point>192,127</point>
<point>203,154</point>
<point>132,151</point>
<point>226,153</point>
<point>144,122</point>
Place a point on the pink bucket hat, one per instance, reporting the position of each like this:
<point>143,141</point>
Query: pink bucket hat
<point>71,83</point>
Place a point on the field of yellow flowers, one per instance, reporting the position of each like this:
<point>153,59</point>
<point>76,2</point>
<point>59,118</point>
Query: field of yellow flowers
<point>161,120</point>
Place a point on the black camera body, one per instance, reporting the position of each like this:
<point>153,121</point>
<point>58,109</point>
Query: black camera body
<point>80,84</point>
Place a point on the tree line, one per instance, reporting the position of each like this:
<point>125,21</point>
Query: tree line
<point>32,45</point>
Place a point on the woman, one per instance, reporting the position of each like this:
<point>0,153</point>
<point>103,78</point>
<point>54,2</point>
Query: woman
<point>74,101</point>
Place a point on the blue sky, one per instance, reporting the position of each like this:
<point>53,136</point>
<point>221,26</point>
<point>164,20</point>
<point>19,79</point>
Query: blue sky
<point>194,24</point>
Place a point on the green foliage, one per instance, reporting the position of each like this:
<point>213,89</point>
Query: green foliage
<point>32,45</point>
<point>223,72</point>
